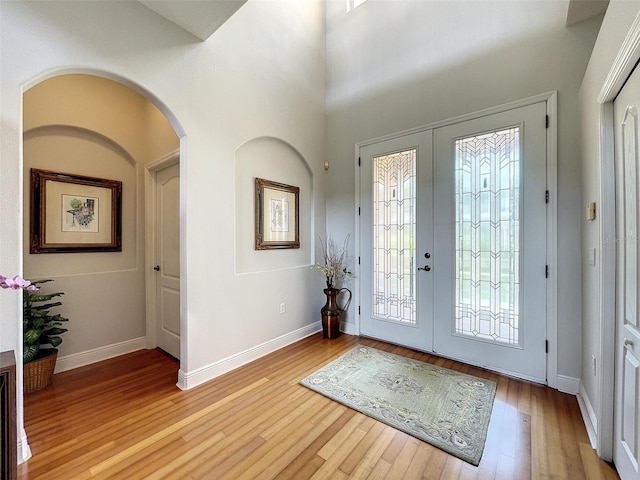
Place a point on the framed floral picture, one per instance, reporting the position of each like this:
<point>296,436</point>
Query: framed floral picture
<point>277,217</point>
<point>74,213</point>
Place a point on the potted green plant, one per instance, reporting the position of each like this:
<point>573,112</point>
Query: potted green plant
<point>40,328</point>
<point>41,337</point>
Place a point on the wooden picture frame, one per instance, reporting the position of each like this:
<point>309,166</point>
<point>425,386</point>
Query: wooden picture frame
<point>74,213</point>
<point>277,215</point>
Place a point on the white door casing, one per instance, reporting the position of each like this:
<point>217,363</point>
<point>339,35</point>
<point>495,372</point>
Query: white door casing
<point>627,344</point>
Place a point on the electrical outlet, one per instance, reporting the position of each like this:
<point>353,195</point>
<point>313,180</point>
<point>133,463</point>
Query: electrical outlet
<point>283,307</point>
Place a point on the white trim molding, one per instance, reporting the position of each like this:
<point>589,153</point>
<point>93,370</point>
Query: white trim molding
<point>188,380</point>
<point>75,360</point>
<point>24,451</point>
<point>552,242</point>
<point>588,415</point>
<point>349,329</point>
<point>567,384</point>
<point>607,301</point>
<point>623,65</point>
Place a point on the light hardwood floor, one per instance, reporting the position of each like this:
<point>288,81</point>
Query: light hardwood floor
<point>125,419</point>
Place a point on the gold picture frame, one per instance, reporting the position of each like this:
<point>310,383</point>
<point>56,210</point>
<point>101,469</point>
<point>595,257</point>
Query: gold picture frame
<point>277,224</point>
<point>74,213</point>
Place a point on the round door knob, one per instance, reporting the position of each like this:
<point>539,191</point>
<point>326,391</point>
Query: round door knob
<point>627,343</point>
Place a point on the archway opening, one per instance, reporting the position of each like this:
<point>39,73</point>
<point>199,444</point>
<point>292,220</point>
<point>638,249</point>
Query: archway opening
<point>98,125</point>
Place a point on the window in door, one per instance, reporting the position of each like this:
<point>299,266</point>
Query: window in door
<point>394,228</point>
<point>487,236</point>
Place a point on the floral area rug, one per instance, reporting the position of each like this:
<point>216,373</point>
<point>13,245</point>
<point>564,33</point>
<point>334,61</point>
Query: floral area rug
<point>447,409</point>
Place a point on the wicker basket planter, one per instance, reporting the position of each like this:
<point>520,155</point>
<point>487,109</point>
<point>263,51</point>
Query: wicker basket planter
<point>39,372</point>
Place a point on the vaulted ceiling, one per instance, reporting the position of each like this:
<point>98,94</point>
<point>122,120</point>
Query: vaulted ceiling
<point>203,17</point>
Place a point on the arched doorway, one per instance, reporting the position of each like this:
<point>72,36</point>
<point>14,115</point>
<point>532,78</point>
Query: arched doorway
<point>103,126</point>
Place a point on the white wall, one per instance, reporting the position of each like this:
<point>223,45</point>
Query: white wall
<point>260,75</point>
<point>615,26</point>
<point>449,59</point>
<point>92,126</point>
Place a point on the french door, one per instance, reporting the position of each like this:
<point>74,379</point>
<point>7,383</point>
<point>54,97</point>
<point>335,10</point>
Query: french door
<point>396,217</point>
<point>453,241</point>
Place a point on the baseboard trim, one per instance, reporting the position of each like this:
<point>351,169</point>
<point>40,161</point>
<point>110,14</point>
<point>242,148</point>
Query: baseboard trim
<point>588,416</point>
<point>349,329</point>
<point>188,380</point>
<point>75,360</point>
<point>24,451</point>
<point>568,384</point>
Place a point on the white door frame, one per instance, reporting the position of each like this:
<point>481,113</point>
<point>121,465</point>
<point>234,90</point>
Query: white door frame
<point>161,163</point>
<point>551,99</point>
<point>625,61</point>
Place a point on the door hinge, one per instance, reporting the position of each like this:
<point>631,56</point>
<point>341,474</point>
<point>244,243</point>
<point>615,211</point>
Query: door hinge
<point>546,121</point>
<point>546,196</point>
<point>358,309</point>
<point>358,210</point>
<point>546,346</point>
<point>358,161</point>
<point>546,271</point>
<point>358,260</point>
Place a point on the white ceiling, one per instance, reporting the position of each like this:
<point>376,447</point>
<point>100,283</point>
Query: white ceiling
<point>199,17</point>
<point>203,17</point>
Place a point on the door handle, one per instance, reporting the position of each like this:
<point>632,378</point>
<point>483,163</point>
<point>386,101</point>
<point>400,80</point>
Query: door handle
<point>157,268</point>
<point>627,343</point>
<point>426,268</point>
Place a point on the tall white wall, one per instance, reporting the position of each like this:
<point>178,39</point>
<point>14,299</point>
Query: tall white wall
<point>615,27</point>
<point>260,75</point>
<point>403,64</point>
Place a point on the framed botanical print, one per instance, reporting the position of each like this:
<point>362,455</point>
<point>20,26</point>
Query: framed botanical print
<point>74,213</point>
<point>277,215</point>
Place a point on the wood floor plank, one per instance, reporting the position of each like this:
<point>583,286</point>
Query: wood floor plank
<point>336,442</point>
<point>373,454</point>
<point>364,445</point>
<point>176,426</point>
<point>298,467</point>
<point>125,419</point>
<point>403,459</point>
<point>287,445</point>
<point>343,444</point>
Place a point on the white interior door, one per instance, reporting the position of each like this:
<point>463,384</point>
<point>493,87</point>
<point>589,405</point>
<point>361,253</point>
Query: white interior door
<point>395,240</point>
<point>453,241</point>
<point>168,259</point>
<point>627,398</point>
<point>489,257</point>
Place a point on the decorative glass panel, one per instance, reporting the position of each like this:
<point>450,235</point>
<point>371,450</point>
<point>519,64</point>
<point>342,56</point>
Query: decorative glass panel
<point>394,231</point>
<point>487,236</point>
